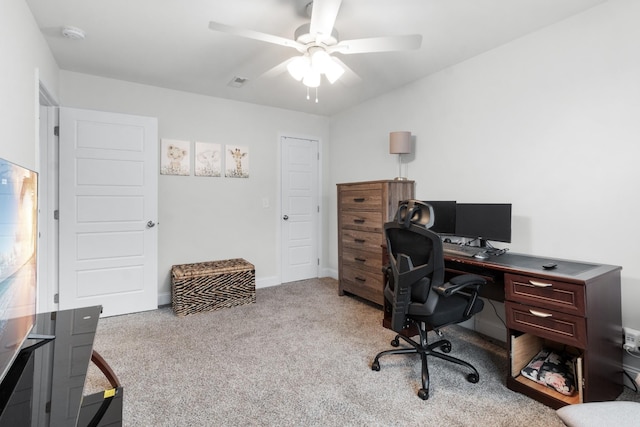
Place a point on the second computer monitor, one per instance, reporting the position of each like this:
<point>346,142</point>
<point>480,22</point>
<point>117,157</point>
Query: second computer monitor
<point>444,213</point>
<point>484,221</point>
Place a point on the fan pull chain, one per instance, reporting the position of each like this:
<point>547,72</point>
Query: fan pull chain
<point>309,95</point>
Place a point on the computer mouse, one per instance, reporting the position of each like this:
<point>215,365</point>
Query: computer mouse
<point>481,255</point>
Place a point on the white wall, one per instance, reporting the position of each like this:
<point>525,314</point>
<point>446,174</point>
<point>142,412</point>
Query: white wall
<point>548,122</point>
<point>200,218</point>
<point>25,58</point>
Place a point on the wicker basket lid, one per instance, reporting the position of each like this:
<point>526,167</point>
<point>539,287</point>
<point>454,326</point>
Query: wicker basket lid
<point>211,267</point>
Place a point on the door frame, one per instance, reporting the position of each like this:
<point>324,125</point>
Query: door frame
<point>319,234</point>
<point>47,160</point>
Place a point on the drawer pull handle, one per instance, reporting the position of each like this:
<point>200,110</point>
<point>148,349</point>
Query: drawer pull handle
<point>359,221</point>
<point>360,259</point>
<point>540,313</point>
<point>360,279</point>
<point>359,199</point>
<point>540,284</point>
<point>359,240</point>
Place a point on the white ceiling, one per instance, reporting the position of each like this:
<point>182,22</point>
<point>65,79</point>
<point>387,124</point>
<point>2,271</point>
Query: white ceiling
<point>167,43</point>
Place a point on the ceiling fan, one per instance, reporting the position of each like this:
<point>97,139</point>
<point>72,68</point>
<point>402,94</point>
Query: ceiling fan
<point>318,40</point>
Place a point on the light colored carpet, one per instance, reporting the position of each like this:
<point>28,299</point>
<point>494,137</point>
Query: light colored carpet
<point>299,356</point>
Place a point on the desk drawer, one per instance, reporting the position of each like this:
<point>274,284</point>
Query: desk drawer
<point>362,220</point>
<point>565,297</point>
<point>362,240</point>
<point>550,324</point>
<point>370,200</point>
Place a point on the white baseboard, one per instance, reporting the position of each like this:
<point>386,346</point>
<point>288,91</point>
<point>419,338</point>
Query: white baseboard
<point>267,282</point>
<point>329,272</point>
<point>164,299</point>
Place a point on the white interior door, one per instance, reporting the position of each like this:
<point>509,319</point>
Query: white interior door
<point>108,211</point>
<point>300,209</point>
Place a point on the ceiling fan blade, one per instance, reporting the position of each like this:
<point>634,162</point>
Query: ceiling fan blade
<point>323,18</point>
<point>349,77</point>
<point>256,35</point>
<point>277,70</point>
<point>377,44</point>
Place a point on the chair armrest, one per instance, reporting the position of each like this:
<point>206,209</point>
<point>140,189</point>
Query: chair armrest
<point>458,283</point>
<point>466,282</point>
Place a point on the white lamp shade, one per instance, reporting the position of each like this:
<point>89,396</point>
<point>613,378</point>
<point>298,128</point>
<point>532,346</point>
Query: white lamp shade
<point>400,142</point>
<point>299,67</point>
<point>312,78</point>
<point>319,60</point>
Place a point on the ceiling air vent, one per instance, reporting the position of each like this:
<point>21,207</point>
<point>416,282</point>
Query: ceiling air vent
<point>238,81</point>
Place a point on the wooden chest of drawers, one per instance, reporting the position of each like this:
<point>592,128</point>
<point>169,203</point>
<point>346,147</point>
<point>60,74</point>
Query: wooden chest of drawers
<point>363,208</point>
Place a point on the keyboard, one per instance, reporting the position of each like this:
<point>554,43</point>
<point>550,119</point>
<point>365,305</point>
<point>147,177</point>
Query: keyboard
<point>460,250</point>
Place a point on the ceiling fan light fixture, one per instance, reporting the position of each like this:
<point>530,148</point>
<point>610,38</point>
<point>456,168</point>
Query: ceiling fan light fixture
<point>312,78</point>
<point>319,59</point>
<point>299,67</point>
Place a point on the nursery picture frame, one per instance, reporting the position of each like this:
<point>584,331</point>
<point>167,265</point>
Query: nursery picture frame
<point>208,159</point>
<point>236,161</point>
<point>175,157</point>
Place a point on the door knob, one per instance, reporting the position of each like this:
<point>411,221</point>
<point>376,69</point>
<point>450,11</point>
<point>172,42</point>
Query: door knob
<point>151,224</point>
<point>286,217</point>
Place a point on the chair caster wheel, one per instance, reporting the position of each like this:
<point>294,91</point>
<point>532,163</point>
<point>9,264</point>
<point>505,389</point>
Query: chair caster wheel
<point>473,378</point>
<point>423,394</point>
<point>446,347</point>
<point>375,366</point>
<point>395,342</point>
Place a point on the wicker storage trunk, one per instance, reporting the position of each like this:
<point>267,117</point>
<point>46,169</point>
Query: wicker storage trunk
<point>212,285</point>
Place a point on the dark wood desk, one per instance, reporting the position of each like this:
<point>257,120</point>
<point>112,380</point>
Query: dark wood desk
<point>575,306</point>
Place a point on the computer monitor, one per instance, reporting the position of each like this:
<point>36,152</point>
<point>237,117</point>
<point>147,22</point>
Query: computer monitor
<point>444,212</point>
<point>484,221</point>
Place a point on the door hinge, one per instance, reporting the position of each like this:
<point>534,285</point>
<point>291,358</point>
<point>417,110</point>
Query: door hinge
<point>318,208</point>
<point>56,214</point>
<point>56,298</point>
<point>318,261</point>
<point>47,407</point>
<point>56,130</point>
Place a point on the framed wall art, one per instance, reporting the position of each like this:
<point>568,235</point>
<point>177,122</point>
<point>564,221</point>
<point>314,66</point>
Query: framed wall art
<point>175,157</point>
<point>236,161</point>
<point>208,159</point>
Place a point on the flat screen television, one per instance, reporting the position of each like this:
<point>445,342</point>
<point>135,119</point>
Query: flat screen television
<point>444,212</point>
<point>18,251</point>
<point>484,221</point>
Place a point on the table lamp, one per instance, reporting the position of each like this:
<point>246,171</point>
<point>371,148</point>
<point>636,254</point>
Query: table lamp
<point>400,143</point>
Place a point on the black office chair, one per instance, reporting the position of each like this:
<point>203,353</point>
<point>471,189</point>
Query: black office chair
<point>416,290</point>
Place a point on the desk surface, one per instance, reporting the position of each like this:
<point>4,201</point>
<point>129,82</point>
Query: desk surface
<point>567,270</point>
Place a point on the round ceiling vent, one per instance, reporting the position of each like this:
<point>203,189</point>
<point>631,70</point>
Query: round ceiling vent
<point>73,33</point>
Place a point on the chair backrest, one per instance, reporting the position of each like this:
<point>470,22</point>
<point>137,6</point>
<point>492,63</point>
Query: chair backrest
<point>416,259</point>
